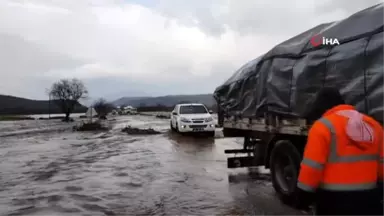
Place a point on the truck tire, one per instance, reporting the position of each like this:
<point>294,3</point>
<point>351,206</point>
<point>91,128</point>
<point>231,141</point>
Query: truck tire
<point>220,118</point>
<point>172,128</point>
<point>210,134</point>
<point>285,166</point>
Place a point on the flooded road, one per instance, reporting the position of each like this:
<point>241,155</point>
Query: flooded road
<point>54,171</point>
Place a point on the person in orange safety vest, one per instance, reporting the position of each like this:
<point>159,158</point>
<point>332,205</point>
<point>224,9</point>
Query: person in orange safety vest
<point>342,167</point>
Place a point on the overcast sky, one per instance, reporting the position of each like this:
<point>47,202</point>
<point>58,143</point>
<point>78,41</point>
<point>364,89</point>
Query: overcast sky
<point>146,47</point>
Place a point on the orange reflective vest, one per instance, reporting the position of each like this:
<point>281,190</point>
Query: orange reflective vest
<point>334,162</point>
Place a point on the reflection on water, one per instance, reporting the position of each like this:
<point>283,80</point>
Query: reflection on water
<point>252,175</point>
<point>66,173</point>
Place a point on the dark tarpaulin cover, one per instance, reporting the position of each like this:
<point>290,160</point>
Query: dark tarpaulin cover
<point>284,80</point>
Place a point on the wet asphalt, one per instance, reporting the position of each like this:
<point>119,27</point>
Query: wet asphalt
<point>47,169</point>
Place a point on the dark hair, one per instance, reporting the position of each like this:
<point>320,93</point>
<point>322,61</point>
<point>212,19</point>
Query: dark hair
<point>324,100</point>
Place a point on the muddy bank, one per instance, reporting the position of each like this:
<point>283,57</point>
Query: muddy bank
<point>51,118</point>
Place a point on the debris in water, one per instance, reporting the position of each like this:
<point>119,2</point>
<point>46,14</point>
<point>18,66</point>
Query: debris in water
<point>103,117</point>
<point>163,116</point>
<point>90,126</point>
<point>137,131</point>
<point>69,120</point>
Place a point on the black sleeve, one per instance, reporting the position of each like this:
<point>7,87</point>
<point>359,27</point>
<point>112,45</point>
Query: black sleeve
<point>304,199</point>
<point>380,191</point>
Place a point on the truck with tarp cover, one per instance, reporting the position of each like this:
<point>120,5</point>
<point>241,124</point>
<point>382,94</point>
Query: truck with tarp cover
<point>265,101</point>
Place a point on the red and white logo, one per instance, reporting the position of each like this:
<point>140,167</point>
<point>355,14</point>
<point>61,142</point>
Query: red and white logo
<point>319,40</point>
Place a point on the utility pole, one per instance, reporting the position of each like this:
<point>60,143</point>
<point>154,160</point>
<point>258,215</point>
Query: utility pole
<point>49,106</point>
<point>48,91</point>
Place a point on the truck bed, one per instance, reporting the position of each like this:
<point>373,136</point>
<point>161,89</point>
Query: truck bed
<point>269,124</point>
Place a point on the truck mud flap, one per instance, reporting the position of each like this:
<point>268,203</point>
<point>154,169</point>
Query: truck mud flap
<point>236,151</point>
<point>247,161</point>
<point>232,132</point>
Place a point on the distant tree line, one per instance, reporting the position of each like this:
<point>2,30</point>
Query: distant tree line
<point>102,107</point>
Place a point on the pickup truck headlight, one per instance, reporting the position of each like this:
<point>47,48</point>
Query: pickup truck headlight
<point>185,120</point>
<point>209,119</point>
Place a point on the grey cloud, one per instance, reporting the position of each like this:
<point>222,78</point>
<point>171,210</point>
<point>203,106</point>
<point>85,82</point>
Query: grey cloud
<point>24,63</point>
<point>71,5</point>
<point>347,6</point>
<point>245,16</point>
<point>115,87</point>
<point>21,56</point>
<point>190,84</point>
<point>199,13</point>
<point>259,17</point>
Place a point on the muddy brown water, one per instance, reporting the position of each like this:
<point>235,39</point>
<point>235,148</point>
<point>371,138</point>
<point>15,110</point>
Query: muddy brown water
<point>46,169</point>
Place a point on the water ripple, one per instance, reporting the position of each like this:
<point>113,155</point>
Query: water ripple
<point>60,172</point>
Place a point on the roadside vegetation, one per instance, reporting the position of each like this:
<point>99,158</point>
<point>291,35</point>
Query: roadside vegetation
<point>102,108</point>
<point>66,93</point>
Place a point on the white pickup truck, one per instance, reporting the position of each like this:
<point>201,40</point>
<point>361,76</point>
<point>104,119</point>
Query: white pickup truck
<point>192,118</point>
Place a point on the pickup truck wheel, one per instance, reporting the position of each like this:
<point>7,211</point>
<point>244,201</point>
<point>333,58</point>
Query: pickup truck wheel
<point>285,165</point>
<point>177,127</point>
<point>210,134</point>
<point>172,128</point>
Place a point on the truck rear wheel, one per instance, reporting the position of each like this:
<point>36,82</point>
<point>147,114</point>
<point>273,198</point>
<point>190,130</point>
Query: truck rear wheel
<point>285,165</point>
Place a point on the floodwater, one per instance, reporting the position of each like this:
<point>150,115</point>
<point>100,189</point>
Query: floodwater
<point>46,169</point>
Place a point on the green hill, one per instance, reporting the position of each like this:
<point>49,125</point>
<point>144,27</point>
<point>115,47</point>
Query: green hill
<point>10,105</point>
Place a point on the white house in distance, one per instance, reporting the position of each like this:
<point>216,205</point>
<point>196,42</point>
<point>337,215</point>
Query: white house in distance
<point>126,110</point>
<point>129,110</point>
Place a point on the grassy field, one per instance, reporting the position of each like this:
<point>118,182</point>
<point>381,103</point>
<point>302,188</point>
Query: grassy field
<point>14,118</point>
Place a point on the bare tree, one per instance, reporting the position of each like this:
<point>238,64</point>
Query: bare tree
<point>66,94</point>
<point>102,107</point>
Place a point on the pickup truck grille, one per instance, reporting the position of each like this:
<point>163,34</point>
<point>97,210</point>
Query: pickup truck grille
<point>197,126</point>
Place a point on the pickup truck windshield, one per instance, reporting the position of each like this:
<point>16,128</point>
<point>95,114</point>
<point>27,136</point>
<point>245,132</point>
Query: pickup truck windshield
<point>194,109</point>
